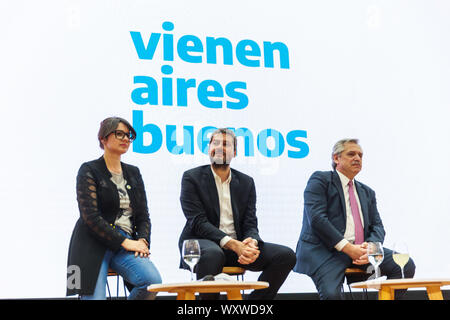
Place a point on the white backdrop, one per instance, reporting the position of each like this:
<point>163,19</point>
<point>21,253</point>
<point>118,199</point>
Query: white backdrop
<point>375,70</point>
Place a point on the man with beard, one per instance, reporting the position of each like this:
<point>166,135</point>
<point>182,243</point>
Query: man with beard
<point>340,218</point>
<point>219,204</point>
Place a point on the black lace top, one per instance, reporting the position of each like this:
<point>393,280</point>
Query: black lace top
<point>99,205</point>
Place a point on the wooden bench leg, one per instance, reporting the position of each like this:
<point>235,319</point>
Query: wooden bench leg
<point>434,293</point>
<point>234,295</point>
<point>189,295</point>
<point>186,295</point>
<point>181,295</point>
<point>386,293</point>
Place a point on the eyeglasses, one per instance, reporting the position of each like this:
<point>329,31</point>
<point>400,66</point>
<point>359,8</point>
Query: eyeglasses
<point>119,134</point>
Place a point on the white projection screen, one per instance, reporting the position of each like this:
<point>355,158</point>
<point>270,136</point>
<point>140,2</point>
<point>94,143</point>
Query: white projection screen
<point>291,77</point>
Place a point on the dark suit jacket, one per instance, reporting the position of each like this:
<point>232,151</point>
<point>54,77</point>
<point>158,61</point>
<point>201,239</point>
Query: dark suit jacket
<point>324,219</point>
<point>200,204</point>
<point>99,205</point>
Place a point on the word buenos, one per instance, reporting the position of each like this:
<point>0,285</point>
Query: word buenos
<point>272,149</point>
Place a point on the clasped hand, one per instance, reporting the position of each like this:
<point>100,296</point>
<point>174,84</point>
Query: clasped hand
<point>138,246</point>
<point>248,251</point>
<point>357,252</point>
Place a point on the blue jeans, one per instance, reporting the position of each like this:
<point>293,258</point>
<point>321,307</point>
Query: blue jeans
<point>140,272</point>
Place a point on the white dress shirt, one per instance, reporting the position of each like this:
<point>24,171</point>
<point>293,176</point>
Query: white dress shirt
<point>349,235</point>
<point>226,212</point>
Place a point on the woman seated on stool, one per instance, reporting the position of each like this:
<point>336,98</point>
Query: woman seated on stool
<point>113,230</point>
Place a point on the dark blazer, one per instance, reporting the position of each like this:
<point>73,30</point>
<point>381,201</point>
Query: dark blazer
<point>99,205</point>
<point>324,219</point>
<point>200,204</point>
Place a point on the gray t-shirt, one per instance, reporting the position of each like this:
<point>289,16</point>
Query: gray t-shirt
<point>123,220</point>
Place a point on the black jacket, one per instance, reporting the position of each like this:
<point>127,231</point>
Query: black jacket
<point>99,205</point>
<point>200,204</point>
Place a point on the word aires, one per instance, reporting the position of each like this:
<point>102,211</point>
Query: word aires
<point>210,93</point>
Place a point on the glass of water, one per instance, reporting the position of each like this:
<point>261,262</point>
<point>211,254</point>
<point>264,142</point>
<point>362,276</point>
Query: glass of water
<point>191,254</point>
<point>375,254</point>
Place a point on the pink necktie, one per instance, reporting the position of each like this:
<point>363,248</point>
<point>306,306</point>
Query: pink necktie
<point>359,231</point>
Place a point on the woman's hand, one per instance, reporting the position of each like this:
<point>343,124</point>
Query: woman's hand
<point>138,246</point>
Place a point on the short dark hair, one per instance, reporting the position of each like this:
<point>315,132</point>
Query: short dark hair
<point>225,131</point>
<point>110,124</point>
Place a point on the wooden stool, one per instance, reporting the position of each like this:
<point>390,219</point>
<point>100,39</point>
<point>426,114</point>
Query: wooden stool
<point>112,273</point>
<point>234,271</point>
<point>355,275</point>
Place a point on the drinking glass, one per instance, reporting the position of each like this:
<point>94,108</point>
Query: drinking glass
<point>191,254</point>
<point>400,255</point>
<point>375,254</point>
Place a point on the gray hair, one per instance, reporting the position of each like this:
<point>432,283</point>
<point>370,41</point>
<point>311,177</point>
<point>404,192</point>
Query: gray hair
<point>227,132</point>
<point>109,125</point>
<point>339,147</point>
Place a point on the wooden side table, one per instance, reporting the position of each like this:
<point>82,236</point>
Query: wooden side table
<point>387,287</point>
<point>187,290</point>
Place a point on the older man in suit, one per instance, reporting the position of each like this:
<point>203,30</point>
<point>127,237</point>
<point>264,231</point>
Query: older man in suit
<point>219,204</point>
<point>340,217</point>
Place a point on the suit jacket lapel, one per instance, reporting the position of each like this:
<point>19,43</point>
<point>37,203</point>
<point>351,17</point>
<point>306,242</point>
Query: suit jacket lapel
<point>338,185</point>
<point>234,187</point>
<point>211,187</point>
